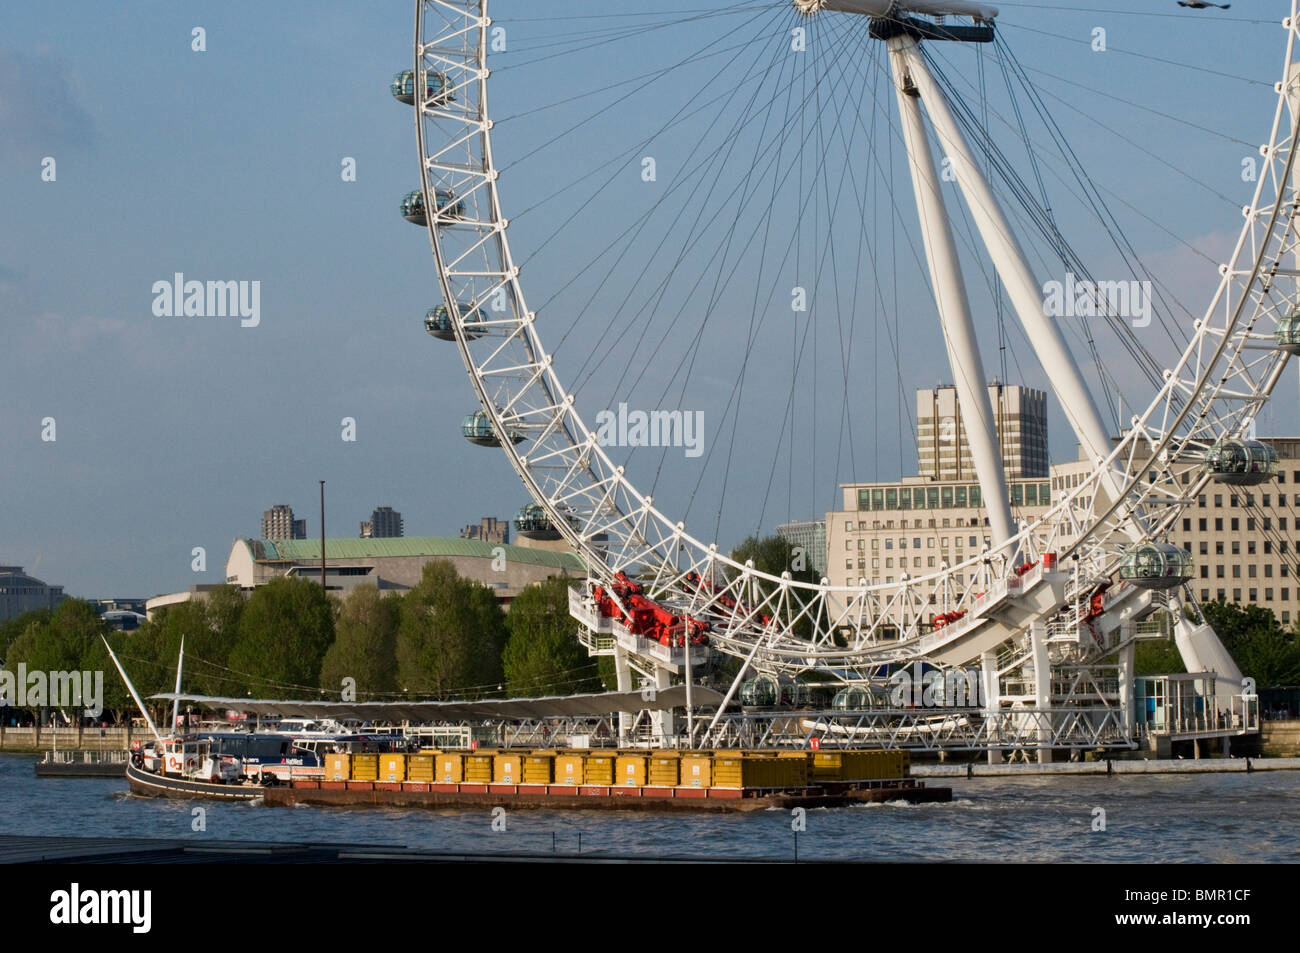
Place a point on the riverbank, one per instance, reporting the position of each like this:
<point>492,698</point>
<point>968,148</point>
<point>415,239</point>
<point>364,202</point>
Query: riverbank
<point>33,739</point>
<point>1176,766</point>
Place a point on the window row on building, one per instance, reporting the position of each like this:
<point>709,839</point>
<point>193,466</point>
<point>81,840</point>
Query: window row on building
<point>947,497</point>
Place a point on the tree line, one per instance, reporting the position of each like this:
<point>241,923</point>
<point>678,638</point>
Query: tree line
<point>446,637</point>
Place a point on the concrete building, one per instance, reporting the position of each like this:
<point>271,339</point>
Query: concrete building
<point>810,536</point>
<point>278,523</point>
<point>943,449</point>
<point>384,523</point>
<point>1245,541</point>
<point>914,526</point>
<point>489,530</point>
<point>198,593</point>
<point>21,593</point>
<point>396,563</point>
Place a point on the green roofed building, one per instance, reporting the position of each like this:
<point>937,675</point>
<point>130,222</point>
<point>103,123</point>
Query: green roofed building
<point>396,563</point>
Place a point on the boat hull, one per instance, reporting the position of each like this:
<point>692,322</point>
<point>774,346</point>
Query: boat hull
<point>147,784</point>
<point>595,797</point>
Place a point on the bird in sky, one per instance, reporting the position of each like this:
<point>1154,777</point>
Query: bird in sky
<point>1201,4</point>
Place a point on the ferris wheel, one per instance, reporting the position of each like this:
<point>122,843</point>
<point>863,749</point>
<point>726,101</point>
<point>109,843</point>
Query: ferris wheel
<point>1058,592</point>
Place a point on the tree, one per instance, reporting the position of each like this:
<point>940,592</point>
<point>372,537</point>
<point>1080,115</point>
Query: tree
<point>1270,657</point>
<point>11,630</point>
<point>1157,657</point>
<point>450,637</point>
<point>365,644</point>
<point>1235,623</point>
<point>284,632</point>
<point>116,699</point>
<point>543,655</point>
<point>1259,645</point>
<point>775,555</point>
<point>60,642</point>
<point>67,640</point>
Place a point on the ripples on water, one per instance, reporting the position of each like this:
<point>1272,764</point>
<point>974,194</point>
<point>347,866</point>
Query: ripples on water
<point>1159,818</point>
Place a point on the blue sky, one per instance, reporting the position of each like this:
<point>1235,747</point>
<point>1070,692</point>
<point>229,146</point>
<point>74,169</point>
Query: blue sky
<point>174,433</point>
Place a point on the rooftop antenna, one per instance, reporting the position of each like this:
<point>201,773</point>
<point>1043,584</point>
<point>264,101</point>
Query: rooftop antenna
<point>131,688</point>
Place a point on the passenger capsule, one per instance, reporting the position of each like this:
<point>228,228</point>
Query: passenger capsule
<point>1286,335</point>
<point>531,521</point>
<point>449,207</point>
<point>1241,462</point>
<point>437,91</point>
<point>438,322</point>
<point>762,691</point>
<point>853,698</point>
<point>413,208</point>
<point>1156,566</point>
<point>477,428</point>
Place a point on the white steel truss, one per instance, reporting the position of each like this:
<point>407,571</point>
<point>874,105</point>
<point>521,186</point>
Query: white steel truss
<point>1135,492</point>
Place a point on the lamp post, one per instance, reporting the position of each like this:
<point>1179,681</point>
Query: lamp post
<point>322,537</point>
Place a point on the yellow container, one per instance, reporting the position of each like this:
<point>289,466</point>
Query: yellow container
<point>337,767</point>
<point>630,769</point>
<point>696,771</point>
<point>665,768</point>
<point>729,771</point>
<point>449,768</point>
<point>872,765</point>
<point>599,769</point>
<point>365,767</point>
<point>478,768</point>
<point>392,767</point>
<point>420,767</point>
<point>538,767</point>
<point>793,769</point>
<point>508,769</point>
<point>905,764</point>
<point>568,768</point>
<point>754,769</point>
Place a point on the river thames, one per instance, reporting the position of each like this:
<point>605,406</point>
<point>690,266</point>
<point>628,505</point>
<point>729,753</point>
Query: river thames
<point>1207,818</point>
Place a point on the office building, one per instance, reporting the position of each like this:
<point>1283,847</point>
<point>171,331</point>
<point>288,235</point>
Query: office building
<point>21,593</point>
<point>278,523</point>
<point>810,537</point>
<point>384,523</point>
<point>942,445</point>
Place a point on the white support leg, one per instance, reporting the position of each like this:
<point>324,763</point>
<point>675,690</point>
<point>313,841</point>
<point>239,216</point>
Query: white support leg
<point>1009,260</point>
<point>1127,695</point>
<point>992,701</point>
<point>623,677</point>
<point>953,304</point>
<point>1042,688</point>
<point>663,720</point>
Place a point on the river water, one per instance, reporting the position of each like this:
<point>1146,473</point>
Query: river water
<point>1209,818</point>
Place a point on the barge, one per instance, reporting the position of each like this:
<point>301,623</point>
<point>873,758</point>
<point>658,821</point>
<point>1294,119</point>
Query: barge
<point>408,794</point>
<point>719,781</point>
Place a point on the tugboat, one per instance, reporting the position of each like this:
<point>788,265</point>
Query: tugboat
<point>233,766</point>
<point>188,768</point>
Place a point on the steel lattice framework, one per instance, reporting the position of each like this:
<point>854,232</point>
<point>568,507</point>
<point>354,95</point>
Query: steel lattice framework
<point>1135,493</point>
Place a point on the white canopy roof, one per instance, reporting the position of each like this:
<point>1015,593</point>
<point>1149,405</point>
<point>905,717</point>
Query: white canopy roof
<point>506,709</point>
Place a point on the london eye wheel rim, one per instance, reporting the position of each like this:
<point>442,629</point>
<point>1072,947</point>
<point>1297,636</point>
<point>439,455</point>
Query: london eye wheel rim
<point>1210,394</point>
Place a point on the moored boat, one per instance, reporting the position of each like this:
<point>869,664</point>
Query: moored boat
<point>151,784</point>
